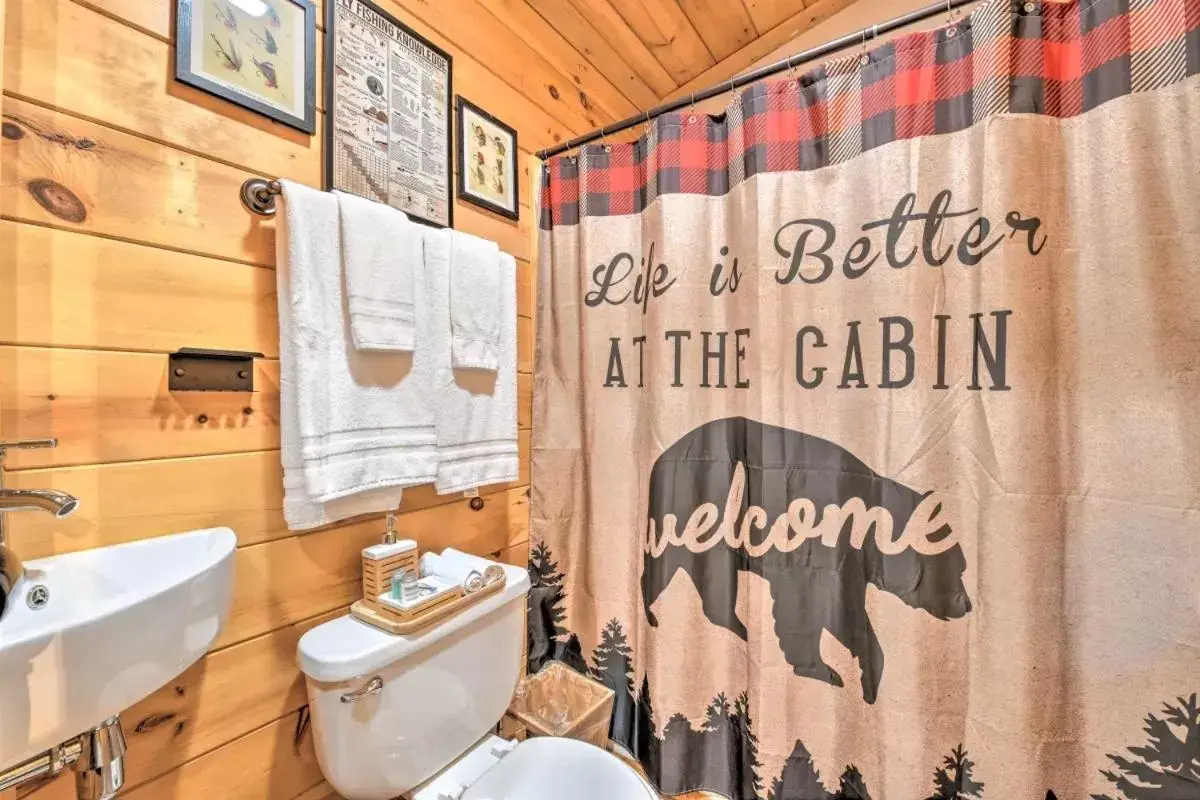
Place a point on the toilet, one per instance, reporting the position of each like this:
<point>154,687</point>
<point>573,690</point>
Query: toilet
<point>412,716</point>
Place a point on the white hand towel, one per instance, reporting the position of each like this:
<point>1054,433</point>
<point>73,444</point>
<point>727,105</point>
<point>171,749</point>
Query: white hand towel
<point>475,302</point>
<point>476,411</point>
<point>355,426</point>
<point>381,253</point>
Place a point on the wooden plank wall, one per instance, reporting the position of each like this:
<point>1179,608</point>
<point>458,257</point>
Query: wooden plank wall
<point>121,240</point>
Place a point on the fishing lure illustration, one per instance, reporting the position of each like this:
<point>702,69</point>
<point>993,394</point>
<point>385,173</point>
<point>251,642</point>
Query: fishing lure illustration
<point>269,43</point>
<point>231,58</point>
<point>267,70</point>
<point>226,15</point>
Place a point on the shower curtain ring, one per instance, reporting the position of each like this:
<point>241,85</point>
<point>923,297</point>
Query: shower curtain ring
<point>950,17</point>
<point>692,108</point>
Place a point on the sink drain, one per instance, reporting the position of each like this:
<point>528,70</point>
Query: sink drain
<point>38,596</point>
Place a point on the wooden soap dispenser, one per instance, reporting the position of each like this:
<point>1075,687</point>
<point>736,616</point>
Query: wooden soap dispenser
<point>381,561</point>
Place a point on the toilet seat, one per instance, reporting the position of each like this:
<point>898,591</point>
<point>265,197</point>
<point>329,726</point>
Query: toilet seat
<point>543,768</point>
<point>549,768</point>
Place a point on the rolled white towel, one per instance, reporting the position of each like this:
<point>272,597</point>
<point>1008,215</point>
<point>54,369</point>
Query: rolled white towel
<point>453,565</point>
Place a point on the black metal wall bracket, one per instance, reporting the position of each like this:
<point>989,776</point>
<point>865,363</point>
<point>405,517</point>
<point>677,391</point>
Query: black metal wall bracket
<point>195,370</point>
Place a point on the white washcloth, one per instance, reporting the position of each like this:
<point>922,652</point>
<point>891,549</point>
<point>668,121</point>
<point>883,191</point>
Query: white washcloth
<point>476,411</point>
<point>475,302</point>
<point>381,254</point>
<point>355,426</point>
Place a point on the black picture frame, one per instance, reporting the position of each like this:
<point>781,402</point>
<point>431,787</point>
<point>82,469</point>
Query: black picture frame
<point>184,72</point>
<point>331,103</point>
<point>462,104</point>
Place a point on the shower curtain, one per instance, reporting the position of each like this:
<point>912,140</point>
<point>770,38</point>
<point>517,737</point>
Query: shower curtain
<point>866,456</point>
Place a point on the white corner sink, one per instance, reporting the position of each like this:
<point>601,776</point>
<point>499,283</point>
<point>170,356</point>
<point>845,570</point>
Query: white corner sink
<point>118,624</point>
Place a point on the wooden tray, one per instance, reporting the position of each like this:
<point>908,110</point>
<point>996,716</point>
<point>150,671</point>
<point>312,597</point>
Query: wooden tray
<point>399,624</point>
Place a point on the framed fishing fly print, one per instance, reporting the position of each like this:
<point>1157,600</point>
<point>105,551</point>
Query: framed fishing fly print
<point>487,161</point>
<point>388,104</point>
<point>259,54</point>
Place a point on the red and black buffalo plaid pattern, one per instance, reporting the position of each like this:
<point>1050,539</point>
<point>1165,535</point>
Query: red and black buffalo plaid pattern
<point>1059,59</point>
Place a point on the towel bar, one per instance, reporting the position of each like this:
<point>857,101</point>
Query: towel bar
<point>258,196</point>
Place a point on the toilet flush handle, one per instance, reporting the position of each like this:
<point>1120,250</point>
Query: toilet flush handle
<point>373,686</point>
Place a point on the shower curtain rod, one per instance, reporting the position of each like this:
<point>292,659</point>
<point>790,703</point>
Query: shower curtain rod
<point>794,60</point>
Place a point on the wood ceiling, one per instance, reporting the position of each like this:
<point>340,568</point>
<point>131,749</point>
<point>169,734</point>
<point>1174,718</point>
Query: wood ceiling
<point>640,52</point>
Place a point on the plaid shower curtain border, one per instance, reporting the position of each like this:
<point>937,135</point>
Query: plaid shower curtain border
<point>1054,59</point>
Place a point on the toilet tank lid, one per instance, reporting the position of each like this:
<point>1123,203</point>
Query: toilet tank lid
<point>345,648</point>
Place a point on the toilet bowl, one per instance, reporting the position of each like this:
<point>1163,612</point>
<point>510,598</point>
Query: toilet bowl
<point>545,768</point>
<point>412,716</point>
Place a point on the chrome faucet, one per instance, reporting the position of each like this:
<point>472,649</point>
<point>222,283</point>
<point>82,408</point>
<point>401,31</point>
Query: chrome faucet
<point>60,504</point>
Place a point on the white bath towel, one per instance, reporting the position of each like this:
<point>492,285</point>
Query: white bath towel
<point>475,302</point>
<point>381,255</point>
<point>476,410</point>
<point>355,426</point>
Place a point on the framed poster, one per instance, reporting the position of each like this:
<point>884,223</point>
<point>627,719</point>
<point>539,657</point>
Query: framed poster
<point>487,160</point>
<point>387,133</point>
<point>259,54</point>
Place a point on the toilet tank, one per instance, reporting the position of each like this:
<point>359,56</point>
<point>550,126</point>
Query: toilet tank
<point>440,691</point>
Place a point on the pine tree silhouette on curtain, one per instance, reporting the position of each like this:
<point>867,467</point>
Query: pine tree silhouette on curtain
<point>646,744</point>
<point>613,666</point>
<point>751,783</point>
<point>543,573</point>
<point>952,781</point>
<point>721,757</point>
<point>852,785</point>
<point>1168,766</point>
<point>799,779</point>
<point>549,638</point>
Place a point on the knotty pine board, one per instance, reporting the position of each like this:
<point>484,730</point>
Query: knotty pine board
<point>67,56</point>
<point>619,98</point>
<point>609,25</point>
<point>644,90</point>
<point>78,290</point>
<point>64,171</point>
<point>74,48</point>
<point>107,406</point>
<point>242,491</point>
<point>800,20</point>
<point>68,172</point>
<point>487,40</point>
<point>275,762</point>
<point>724,27</point>
<point>84,291</point>
<point>667,32</point>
